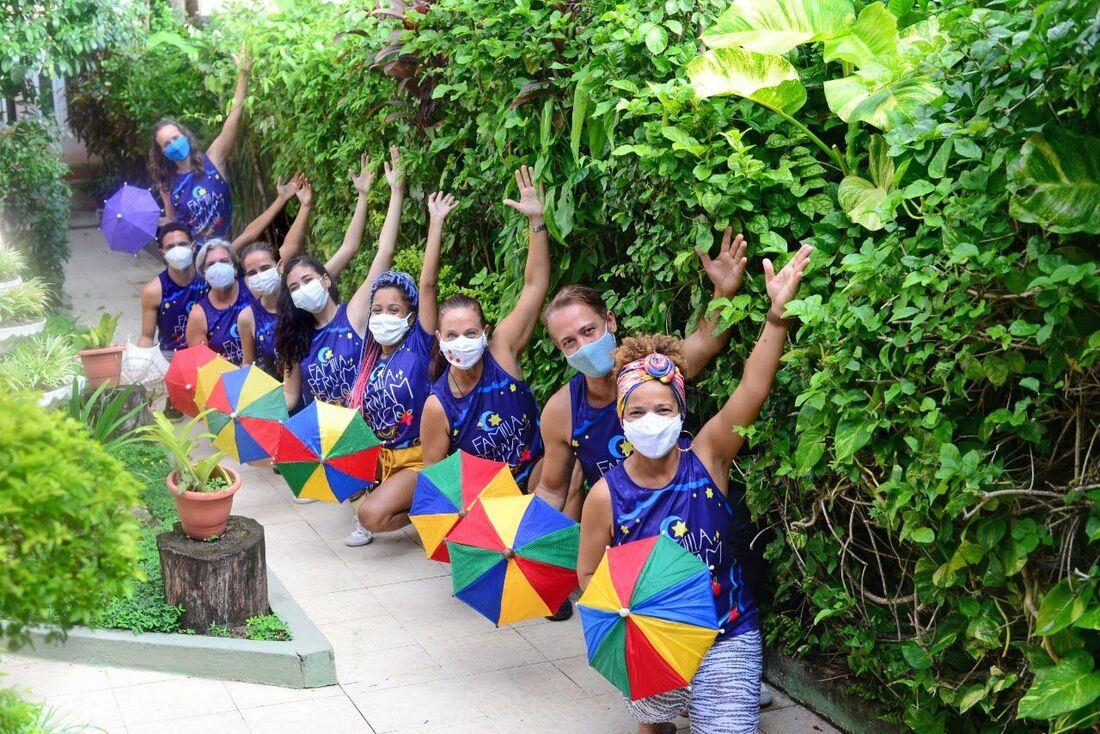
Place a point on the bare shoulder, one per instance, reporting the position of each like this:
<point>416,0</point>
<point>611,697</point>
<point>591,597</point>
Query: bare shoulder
<point>151,293</point>
<point>557,413</point>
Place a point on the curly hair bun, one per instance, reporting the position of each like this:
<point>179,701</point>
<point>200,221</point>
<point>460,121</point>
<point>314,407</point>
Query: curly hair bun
<point>636,347</point>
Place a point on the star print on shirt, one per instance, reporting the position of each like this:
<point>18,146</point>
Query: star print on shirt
<point>407,418</point>
<point>494,420</point>
<point>710,493</point>
<point>576,443</point>
<point>624,529</point>
<point>680,529</point>
<point>512,387</point>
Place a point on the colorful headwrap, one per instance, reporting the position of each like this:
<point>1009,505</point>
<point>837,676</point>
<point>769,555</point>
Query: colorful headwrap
<point>651,367</point>
<point>399,280</point>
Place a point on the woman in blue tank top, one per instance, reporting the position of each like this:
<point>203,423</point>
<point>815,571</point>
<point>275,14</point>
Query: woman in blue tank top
<point>480,402</point>
<point>674,486</point>
<point>213,320</point>
<point>579,425</point>
<point>192,183</point>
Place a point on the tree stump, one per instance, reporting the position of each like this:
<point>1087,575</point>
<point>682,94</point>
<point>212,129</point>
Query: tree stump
<point>223,582</point>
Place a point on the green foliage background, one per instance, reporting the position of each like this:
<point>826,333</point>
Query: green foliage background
<point>928,460</point>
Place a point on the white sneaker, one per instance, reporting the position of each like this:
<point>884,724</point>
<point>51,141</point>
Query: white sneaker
<point>765,695</point>
<point>303,500</point>
<point>359,536</point>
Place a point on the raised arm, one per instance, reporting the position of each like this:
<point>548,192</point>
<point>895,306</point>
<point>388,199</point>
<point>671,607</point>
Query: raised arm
<point>259,225</point>
<point>439,206</point>
<point>353,237</point>
<point>359,305</point>
<point>222,146</point>
<point>292,243</point>
<point>726,273</point>
<point>717,443</point>
<point>514,330</point>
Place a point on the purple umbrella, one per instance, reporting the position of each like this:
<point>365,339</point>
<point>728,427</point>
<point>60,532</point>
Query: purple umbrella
<point>130,219</point>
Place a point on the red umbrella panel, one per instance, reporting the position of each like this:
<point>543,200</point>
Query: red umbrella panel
<point>181,379</point>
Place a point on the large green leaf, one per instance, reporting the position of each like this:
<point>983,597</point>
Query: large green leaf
<point>1058,182</point>
<point>1060,608</point>
<point>777,26</point>
<point>769,80</point>
<point>862,200</point>
<point>1066,687</point>
<point>864,98</point>
<point>872,40</point>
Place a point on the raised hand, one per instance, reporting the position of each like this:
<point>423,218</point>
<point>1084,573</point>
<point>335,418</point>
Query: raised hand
<point>440,205</point>
<point>363,181</point>
<point>728,269</point>
<point>242,59</point>
<point>530,202</point>
<point>305,192</point>
<point>783,286</point>
<point>395,170</point>
<point>290,189</point>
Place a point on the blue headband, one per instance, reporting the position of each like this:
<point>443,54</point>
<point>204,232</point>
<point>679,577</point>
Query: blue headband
<point>401,281</point>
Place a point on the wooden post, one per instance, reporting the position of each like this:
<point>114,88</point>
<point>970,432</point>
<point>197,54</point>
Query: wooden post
<point>222,582</point>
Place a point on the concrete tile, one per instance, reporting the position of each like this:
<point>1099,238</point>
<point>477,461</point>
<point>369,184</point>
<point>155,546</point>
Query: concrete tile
<point>557,640</point>
<point>366,637</point>
<point>272,513</point>
<point>476,725</point>
<point>228,722</point>
<point>121,677</point>
<point>498,650</point>
<point>600,715</point>
<point>585,676</point>
<point>333,715</point>
<point>176,699</point>
<point>436,703</point>
<point>341,606</point>
<point>91,708</point>
<point>398,569</point>
<point>253,695</point>
<point>391,668</point>
<point>524,690</point>
<point>385,545</point>
<point>289,535</point>
<point>309,575</point>
<point>46,678</point>
<point>780,700</point>
<point>794,720</point>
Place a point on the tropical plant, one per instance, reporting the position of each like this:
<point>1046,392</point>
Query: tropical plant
<point>67,536</point>
<point>12,263</point>
<point>101,335</point>
<point>106,412</point>
<point>203,475</point>
<point>24,303</point>
<point>41,362</point>
<point>267,627</point>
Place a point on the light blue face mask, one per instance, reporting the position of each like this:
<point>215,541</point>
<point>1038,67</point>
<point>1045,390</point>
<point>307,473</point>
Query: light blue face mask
<point>178,149</point>
<point>594,359</point>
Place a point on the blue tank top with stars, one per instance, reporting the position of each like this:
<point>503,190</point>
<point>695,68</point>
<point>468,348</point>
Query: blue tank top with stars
<point>203,203</point>
<point>692,511</point>
<point>397,388</point>
<point>498,419</point>
<point>175,305</point>
<point>222,334</point>
<point>330,368</point>
<point>597,435</point>
<point>265,322</point>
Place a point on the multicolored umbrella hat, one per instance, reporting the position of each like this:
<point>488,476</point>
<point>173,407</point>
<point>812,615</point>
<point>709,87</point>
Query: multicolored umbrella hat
<point>445,491</point>
<point>648,616</point>
<point>514,558</point>
<point>181,377</point>
<point>206,377</point>
<point>130,219</point>
<point>327,452</point>
<point>247,408</point>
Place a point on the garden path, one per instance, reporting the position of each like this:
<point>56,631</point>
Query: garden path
<point>409,657</point>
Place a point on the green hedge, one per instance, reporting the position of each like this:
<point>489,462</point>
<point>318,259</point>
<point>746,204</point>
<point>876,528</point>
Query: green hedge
<point>928,462</point>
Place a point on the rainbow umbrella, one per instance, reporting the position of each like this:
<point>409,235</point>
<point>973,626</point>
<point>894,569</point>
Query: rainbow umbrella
<point>514,558</point>
<point>206,377</point>
<point>180,379</point>
<point>648,616</point>
<point>246,410</point>
<point>327,452</point>
<point>445,491</point>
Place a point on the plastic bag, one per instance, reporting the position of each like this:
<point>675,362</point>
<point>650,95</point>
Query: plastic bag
<point>143,366</point>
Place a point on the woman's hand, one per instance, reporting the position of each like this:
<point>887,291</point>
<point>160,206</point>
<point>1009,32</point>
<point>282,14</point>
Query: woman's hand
<point>728,269</point>
<point>530,202</point>
<point>290,189</point>
<point>440,205</point>
<point>395,170</point>
<point>305,192</point>
<point>363,181</point>
<point>783,286</point>
<point>243,60</point>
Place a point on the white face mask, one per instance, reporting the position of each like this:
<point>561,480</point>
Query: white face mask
<point>387,329</point>
<point>179,257</point>
<point>220,275</point>
<point>265,282</point>
<point>312,297</point>
<point>653,435</point>
<point>464,352</point>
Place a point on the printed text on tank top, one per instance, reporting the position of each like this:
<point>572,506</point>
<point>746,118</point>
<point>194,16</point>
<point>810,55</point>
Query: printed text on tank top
<point>397,388</point>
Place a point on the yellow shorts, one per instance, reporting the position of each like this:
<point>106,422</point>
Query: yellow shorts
<point>391,461</point>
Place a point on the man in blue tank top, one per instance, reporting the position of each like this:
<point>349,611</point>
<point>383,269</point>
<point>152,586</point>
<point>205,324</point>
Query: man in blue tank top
<point>167,299</point>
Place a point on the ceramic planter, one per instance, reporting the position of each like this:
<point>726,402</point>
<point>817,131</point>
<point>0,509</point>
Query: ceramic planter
<point>50,398</point>
<point>12,283</point>
<point>11,334</point>
<point>102,365</point>
<point>203,514</point>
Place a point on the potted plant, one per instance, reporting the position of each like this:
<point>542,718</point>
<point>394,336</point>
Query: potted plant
<point>23,308</point>
<point>11,264</point>
<point>203,489</point>
<point>44,363</point>
<point>102,361</point>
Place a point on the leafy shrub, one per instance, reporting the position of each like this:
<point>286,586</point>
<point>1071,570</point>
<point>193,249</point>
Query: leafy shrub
<point>67,537</point>
<point>267,627</point>
<point>34,198</point>
<point>41,362</point>
<point>11,263</point>
<point>108,413</point>
<point>24,303</point>
<point>17,715</point>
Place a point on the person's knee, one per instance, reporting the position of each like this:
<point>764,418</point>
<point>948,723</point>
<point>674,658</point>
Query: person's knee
<point>371,515</point>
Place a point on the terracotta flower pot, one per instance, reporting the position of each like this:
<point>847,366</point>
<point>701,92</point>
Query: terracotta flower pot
<point>203,514</point>
<point>102,365</point>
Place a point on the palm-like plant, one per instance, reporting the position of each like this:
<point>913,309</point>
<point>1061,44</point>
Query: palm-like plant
<point>180,441</point>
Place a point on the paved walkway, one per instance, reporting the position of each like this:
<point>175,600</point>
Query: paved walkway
<point>409,657</point>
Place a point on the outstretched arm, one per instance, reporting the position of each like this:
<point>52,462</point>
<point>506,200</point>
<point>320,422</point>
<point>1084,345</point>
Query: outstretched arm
<point>359,304</point>
<point>439,206</point>
<point>259,225</point>
<point>717,443</point>
<point>515,330</point>
<point>726,273</point>
<point>292,243</point>
<point>222,146</point>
